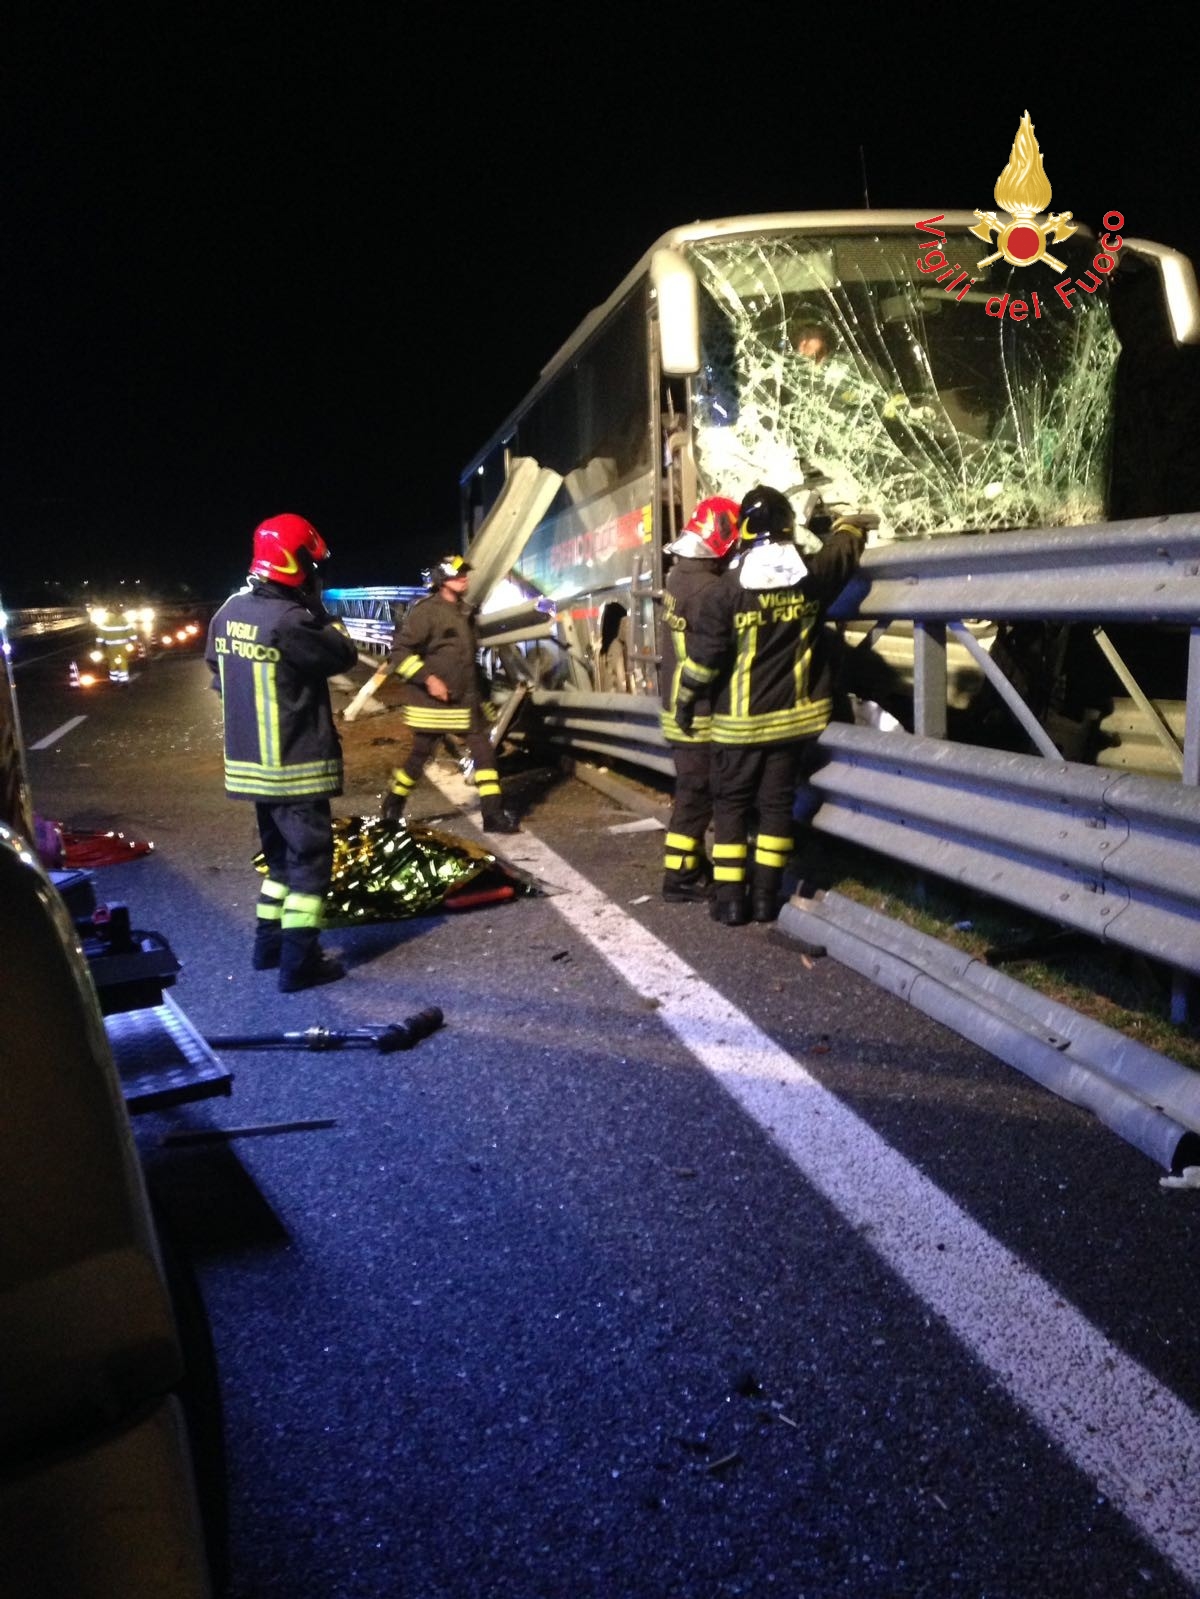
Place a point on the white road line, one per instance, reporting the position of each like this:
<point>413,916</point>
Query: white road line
<point>1132,1436</point>
<point>59,732</point>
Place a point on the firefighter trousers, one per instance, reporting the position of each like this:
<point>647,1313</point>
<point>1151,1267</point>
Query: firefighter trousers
<point>487,779</point>
<point>691,808</point>
<point>754,788</point>
<point>297,841</point>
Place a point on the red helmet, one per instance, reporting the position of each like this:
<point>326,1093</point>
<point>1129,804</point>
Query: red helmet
<point>286,550</point>
<point>710,532</point>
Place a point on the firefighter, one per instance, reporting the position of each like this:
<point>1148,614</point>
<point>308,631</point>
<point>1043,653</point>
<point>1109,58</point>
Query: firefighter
<point>756,651</point>
<point>435,658</point>
<point>272,649</point>
<point>699,552</point>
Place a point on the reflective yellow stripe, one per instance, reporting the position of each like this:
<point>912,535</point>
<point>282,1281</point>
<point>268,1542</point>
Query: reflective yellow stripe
<point>729,874</point>
<point>269,889</point>
<point>770,857</point>
<point>270,913</point>
<point>302,910</point>
<point>435,721</point>
<point>283,782</point>
<point>267,707</point>
<point>729,852</point>
<point>739,687</point>
<point>401,782</point>
<point>674,863</point>
<point>698,673</point>
<point>766,841</point>
<point>410,667</point>
<point>803,663</point>
<point>292,769</point>
<point>681,841</point>
<point>279,785</point>
<point>773,727</point>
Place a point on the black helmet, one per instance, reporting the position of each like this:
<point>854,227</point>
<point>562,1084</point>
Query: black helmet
<point>445,568</point>
<point>766,516</point>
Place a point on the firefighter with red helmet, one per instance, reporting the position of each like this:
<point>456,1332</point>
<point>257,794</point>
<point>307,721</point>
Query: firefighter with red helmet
<point>272,649</point>
<point>435,657</point>
<point>756,651</point>
<point>700,552</point>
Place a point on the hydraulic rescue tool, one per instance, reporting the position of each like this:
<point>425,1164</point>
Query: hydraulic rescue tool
<point>386,1037</point>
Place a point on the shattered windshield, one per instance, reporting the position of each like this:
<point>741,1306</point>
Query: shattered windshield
<point>832,362</point>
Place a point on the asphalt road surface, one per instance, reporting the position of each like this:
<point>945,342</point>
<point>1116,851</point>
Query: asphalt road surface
<point>675,1264</point>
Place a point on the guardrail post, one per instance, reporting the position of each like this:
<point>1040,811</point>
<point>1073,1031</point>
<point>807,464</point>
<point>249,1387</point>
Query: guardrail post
<point>929,679</point>
<point>1191,732</point>
<point>1183,987</point>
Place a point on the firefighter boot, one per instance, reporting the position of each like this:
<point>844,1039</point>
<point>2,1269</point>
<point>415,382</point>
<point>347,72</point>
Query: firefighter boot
<point>268,945</point>
<point>303,963</point>
<point>495,818</point>
<point>392,809</point>
<point>686,885</point>
<point>764,893</point>
<point>729,905</point>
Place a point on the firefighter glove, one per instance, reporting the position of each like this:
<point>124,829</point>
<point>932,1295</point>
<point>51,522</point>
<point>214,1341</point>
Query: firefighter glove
<point>860,523</point>
<point>685,710</point>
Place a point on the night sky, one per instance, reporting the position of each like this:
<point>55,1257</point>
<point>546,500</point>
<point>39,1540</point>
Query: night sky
<point>272,257</point>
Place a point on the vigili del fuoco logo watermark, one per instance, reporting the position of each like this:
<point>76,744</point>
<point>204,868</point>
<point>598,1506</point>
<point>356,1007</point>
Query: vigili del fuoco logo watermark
<point>1023,190</point>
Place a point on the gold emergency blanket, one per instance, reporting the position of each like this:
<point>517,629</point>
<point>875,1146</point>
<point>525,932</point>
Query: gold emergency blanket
<point>385,871</point>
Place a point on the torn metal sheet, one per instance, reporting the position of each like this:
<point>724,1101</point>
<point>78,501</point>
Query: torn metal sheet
<point>496,547</point>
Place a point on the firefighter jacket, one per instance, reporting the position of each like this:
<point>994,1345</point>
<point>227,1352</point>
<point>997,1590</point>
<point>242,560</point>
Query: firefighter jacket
<point>272,657</point>
<point>756,647</point>
<point>437,638</point>
<point>687,583</point>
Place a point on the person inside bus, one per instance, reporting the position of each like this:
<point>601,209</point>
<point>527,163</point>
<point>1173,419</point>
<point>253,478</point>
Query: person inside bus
<point>848,387</point>
<point>700,552</point>
<point>435,658</point>
<point>757,650</point>
<point>814,342</point>
<point>811,341</point>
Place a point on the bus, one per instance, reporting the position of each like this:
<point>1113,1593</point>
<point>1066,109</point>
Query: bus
<point>884,361</point>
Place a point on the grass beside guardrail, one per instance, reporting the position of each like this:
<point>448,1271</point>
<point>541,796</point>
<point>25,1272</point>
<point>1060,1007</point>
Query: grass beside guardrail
<point>1119,989</point>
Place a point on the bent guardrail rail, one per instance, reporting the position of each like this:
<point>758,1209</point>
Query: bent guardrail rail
<point>1147,1099</point>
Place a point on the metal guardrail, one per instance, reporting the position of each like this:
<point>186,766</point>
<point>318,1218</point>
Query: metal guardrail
<point>1113,854</point>
<point>33,621</point>
<point>1148,1099</point>
<point>1146,570</point>
<point>620,727</point>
